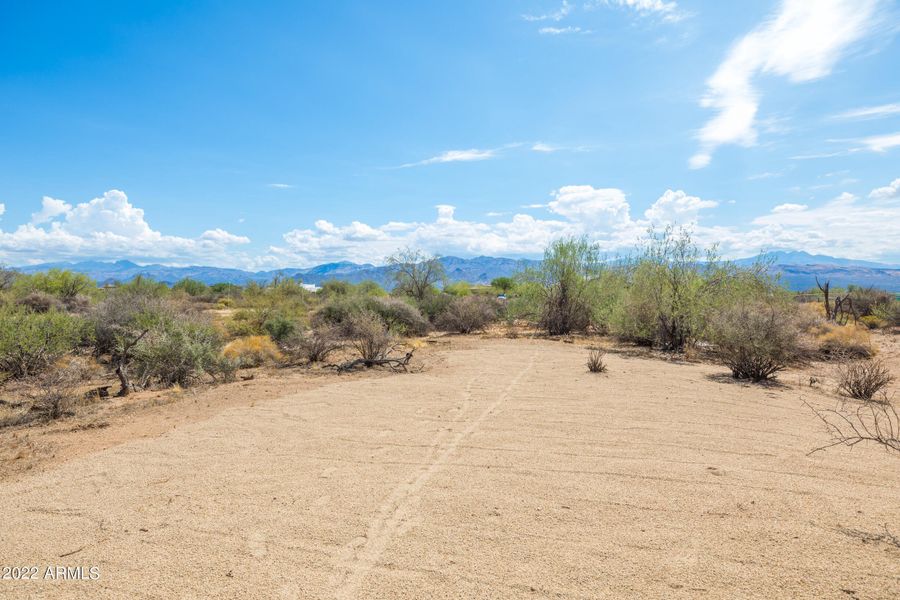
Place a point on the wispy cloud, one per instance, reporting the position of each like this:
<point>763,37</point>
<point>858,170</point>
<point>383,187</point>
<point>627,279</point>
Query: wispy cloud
<point>279,186</point>
<point>766,175</point>
<point>668,10</point>
<point>561,30</point>
<point>881,143</point>
<point>557,15</point>
<point>869,112</point>
<point>802,41</point>
<point>450,156</point>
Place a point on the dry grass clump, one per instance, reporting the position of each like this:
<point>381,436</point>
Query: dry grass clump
<point>862,379</point>
<point>595,362</point>
<point>55,392</point>
<point>844,340</point>
<point>252,351</point>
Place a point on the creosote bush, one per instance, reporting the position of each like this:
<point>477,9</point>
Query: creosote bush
<point>368,335</point>
<point>312,346</point>
<point>179,351</point>
<point>595,362</point>
<point>862,379</point>
<point>468,314</point>
<point>31,342</point>
<point>756,340</point>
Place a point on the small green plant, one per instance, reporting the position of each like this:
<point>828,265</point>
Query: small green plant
<point>31,342</point>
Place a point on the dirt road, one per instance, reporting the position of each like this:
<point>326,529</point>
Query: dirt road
<point>506,470</point>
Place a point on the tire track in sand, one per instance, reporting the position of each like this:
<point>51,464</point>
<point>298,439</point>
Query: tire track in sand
<point>361,555</point>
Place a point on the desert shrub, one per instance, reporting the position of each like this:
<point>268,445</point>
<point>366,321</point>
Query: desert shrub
<point>889,313</point>
<point>60,283</point>
<point>862,379</point>
<point>756,340</point>
<point>370,288</point>
<point>246,322</point>
<point>30,342</point>
<point>433,304</point>
<point>78,304</point>
<point>252,351</point>
<point>458,289</point>
<point>279,327</point>
<point>595,362</point>
<point>312,346</point>
<point>143,286</point>
<point>867,300</point>
<point>850,341</point>
<point>469,313</point>
<point>191,287</point>
<point>672,288</point>
<point>559,293</point>
<point>873,322</point>
<point>504,285</point>
<point>40,302</point>
<point>334,287</point>
<point>178,351</point>
<point>54,392</point>
<point>399,317</point>
<point>368,335</point>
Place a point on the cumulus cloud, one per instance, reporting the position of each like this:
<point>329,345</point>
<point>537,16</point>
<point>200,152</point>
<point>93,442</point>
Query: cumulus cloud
<point>50,209</point>
<point>888,192</point>
<point>106,227</point>
<point>802,41</point>
<point>789,207</point>
<point>677,207</point>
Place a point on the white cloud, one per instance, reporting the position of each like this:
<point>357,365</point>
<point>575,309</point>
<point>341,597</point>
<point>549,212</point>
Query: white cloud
<point>789,207</point>
<point>584,203</point>
<point>556,15</point>
<point>455,156</point>
<point>802,42</point>
<point>2,209</point>
<point>106,227</point>
<point>888,192</point>
<point>677,207</point>
<point>560,30</point>
<point>870,112</point>
<point>667,9</point>
<point>881,143</point>
<point>542,147</point>
<point>279,186</point>
<point>50,209</point>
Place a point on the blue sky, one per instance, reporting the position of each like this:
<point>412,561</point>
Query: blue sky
<point>295,133</point>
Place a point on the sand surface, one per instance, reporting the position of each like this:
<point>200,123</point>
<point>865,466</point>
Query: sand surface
<point>503,471</point>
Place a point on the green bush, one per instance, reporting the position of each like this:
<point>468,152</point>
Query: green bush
<point>191,287</point>
<point>62,284</point>
<point>31,342</point>
<point>398,316</point>
<point>279,327</point>
<point>559,294</point>
<point>178,351</point>
<point>458,289</point>
<point>503,285</point>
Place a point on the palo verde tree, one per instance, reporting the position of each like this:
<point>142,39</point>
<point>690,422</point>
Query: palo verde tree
<point>415,273</point>
<point>560,292</point>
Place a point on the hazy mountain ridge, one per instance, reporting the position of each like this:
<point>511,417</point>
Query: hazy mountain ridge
<point>798,271</point>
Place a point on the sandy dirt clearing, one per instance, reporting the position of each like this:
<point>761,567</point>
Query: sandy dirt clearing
<point>506,470</point>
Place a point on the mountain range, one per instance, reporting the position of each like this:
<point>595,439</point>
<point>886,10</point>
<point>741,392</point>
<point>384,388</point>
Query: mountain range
<point>798,271</point>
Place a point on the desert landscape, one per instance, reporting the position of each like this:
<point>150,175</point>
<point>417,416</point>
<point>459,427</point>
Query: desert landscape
<point>531,299</point>
<point>503,468</point>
